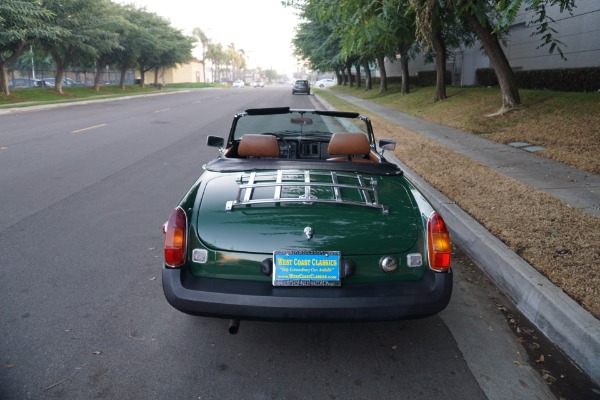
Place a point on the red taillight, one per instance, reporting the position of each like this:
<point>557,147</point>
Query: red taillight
<point>175,238</point>
<point>439,243</point>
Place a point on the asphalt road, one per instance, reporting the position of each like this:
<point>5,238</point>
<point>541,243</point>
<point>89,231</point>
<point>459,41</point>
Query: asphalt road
<point>84,191</point>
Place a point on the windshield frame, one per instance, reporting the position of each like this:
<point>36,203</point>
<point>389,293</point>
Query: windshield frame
<point>298,123</point>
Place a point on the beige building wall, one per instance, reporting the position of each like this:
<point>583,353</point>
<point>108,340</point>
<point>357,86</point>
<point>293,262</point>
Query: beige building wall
<point>190,72</point>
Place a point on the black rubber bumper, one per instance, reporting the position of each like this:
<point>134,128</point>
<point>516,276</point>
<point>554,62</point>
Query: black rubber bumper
<point>261,301</point>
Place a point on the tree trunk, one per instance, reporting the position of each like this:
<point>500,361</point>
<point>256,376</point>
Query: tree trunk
<point>368,79</point>
<point>338,76</point>
<point>439,46</point>
<point>142,75</point>
<point>60,72</point>
<point>349,69</point>
<point>4,79</point>
<point>5,63</point>
<point>97,75</point>
<point>122,80</point>
<point>384,85</point>
<point>358,77</point>
<point>62,62</point>
<point>405,76</point>
<point>504,72</point>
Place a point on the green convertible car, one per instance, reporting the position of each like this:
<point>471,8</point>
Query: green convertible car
<point>302,217</point>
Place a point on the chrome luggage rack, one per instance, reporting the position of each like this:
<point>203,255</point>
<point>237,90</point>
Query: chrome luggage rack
<point>281,179</point>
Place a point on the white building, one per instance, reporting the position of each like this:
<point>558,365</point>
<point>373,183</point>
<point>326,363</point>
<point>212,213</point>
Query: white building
<point>579,33</point>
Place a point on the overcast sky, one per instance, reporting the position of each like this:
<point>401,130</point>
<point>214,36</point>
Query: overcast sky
<point>264,29</point>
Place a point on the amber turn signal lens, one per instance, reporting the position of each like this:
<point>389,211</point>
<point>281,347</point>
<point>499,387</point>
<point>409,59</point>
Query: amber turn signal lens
<point>438,243</point>
<point>175,238</point>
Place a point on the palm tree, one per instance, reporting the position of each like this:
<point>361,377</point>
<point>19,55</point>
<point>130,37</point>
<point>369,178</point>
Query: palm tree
<point>197,32</point>
<point>218,57</point>
<point>241,60</point>
<point>232,60</point>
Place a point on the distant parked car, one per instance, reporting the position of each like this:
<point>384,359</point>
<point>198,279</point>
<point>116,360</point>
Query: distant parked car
<point>325,83</point>
<point>258,84</point>
<point>301,86</point>
<point>239,84</point>
<point>65,82</point>
<point>20,83</point>
<point>40,83</point>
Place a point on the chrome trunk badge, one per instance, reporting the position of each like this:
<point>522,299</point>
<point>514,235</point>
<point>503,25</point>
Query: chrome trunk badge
<point>308,231</point>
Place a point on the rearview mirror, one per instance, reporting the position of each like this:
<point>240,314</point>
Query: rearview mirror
<point>387,144</point>
<point>215,141</point>
<point>302,121</point>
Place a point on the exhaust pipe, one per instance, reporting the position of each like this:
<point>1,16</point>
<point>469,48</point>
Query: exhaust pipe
<point>234,326</point>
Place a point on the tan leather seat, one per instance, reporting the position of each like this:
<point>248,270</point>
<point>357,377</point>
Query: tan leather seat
<point>349,144</point>
<point>258,146</point>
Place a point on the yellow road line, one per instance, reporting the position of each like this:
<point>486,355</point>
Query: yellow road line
<point>88,128</point>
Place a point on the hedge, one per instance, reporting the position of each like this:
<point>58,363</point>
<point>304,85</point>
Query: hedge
<point>429,78</point>
<point>562,80</point>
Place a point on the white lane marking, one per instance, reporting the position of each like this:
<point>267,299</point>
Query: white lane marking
<point>162,110</point>
<point>88,128</point>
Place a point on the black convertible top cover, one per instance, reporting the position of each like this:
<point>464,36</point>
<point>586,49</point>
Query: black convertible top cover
<point>222,164</point>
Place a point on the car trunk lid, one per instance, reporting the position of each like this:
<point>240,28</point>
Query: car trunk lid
<point>353,213</point>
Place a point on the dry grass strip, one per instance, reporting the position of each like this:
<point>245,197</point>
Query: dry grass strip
<point>561,242</point>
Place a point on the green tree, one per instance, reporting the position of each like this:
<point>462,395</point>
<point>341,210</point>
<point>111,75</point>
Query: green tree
<point>82,23</point>
<point>176,48</point>
<point>490,20</point>
<point>237,60</point>
<point>400,17</point>
<point>438,28</point>
<point>382,29</point>
<point>32,58</point>
<point>106,39</point>
<point>430,21</point>
<point>22,23</point>
<point>316,44</point>
<point>362,30</point>
<point>218,57</point>
<point>134,36</point>
<point>157,32</point>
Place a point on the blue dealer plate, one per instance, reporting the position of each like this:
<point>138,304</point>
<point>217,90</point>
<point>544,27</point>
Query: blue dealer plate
<point>302,268</point>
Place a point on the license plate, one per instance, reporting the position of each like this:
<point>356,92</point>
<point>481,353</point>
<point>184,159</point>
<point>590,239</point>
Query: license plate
<point>302,268</point>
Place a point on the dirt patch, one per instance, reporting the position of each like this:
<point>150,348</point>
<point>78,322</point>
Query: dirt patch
<point>561,242</point>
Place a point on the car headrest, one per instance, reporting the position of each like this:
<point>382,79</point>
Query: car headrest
<point>252,145</point>
<point>348,144</point>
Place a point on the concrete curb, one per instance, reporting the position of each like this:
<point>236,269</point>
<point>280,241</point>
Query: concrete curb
<point>18,110</point>
<point>573,329</point>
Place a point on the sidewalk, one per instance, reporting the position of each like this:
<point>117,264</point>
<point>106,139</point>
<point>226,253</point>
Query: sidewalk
<point>560,318</point>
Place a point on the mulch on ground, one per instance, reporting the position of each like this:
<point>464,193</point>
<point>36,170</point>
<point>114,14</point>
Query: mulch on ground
<point>561,242</point>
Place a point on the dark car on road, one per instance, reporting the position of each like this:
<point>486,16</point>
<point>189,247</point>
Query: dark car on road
<point>301,86</point>
<point>302,217</point>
